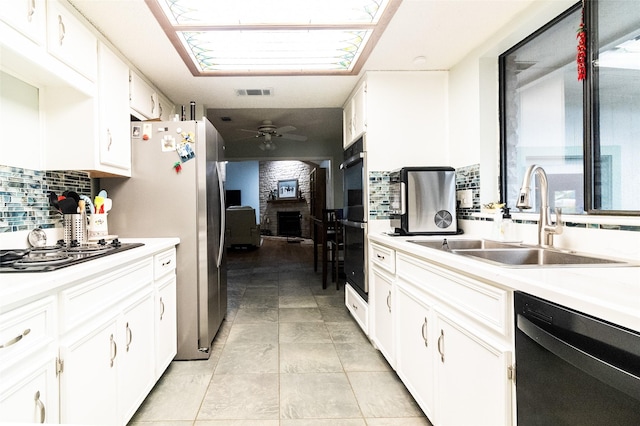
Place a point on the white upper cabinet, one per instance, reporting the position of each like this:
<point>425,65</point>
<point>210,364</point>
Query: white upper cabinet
<point>165,108</point>
<point>26,16</point>
<point>143,97</point>
<point>114,138</point>
<point>70,41</point>
<point>354,115</point>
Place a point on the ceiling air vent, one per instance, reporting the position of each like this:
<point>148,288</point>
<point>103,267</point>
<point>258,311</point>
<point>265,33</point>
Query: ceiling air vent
<point>254,92</point>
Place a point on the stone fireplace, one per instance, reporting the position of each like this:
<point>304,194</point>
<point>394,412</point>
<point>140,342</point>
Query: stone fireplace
<point>270,173</point>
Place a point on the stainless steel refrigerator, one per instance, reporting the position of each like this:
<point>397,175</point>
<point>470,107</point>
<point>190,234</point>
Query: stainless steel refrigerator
<point>176,190</point>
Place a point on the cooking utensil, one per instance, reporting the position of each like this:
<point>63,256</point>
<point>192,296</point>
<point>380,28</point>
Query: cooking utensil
<point>108,203</point>
<point>68,206</point>
<point>98,203</point>
<point>88,202</point>
<point>102,193</point>
<point>53,200</point>
<point>74,195</point>
<point>37,238</point>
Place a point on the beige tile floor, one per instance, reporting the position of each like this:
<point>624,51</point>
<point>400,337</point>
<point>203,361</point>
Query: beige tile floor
<point>288,354</point>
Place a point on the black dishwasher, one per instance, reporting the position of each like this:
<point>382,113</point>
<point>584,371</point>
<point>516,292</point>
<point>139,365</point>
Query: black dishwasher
<point>574,369</point>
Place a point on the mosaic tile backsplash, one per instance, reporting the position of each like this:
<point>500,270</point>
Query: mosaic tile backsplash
<point>467,177</point>
<point>24,196</point>
<point>379,202</point>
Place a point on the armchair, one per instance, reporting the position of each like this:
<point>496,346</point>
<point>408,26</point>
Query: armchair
<point>241,227</point>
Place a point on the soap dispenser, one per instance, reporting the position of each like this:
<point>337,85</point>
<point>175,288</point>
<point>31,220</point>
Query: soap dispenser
<point>506,226</point>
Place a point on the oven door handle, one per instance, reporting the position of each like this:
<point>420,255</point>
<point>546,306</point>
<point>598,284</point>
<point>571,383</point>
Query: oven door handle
<point>352,160</point>
<point>615,377</point>
<point>352,224</point>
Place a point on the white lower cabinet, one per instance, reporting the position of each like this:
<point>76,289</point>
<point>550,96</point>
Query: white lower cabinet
<point>109,367</point>
<point>30,395</point>
<point>471,376</point>
<point>88,381</point>
<point>416,344</point>
<point>135,365</point>
<point>449,339</point>
<point>382,297</point>
<point>90,352</point>
<point>165,323</point>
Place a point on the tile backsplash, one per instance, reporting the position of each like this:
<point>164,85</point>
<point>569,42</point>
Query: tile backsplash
<point>24,196</point>
<point>466,178</point>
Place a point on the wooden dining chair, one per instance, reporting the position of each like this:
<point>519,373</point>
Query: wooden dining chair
<point>332,245</point>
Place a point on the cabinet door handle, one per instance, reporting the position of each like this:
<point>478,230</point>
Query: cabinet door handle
<point>167,263</point>
<point>161,308</point>
<point>110,139</point>
<point>114,350</point>
<point>15,339</point>
<point>129,336</point>
<point>389,301</point>
<point>381,257</point>
<point>441,345</point>
<point>425,332</point>
<point>61,30</point>
<point>355,307</point>
<point>31,10</point>
<point>40,407</point>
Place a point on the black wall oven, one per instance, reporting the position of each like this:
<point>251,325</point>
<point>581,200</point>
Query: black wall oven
<point>355,220</point>
<point>573,369</point>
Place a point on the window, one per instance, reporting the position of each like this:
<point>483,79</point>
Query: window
<point>585,134</point>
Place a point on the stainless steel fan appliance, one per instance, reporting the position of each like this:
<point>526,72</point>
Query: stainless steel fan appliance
<point>268,132</point>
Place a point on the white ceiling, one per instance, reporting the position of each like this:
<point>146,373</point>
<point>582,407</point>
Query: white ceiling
<point>443,31</point>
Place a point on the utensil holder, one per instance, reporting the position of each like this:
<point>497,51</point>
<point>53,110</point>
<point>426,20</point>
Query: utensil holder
<point>75,228</point>
<point>98,225</point>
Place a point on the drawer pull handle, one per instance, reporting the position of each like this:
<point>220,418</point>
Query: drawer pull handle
<point>355,307</point>
<point>381,257</point>
<point>162,308</point>
<point>40,407</point>
<point>129,337</point>
<point>441,345</point>
<point>425,332</point>
<point>166,263</point>
<point>15,339</point>
<point>389,301</point>
<point>114,350</point>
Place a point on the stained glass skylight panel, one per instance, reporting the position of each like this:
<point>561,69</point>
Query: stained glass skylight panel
<point>273,37</point>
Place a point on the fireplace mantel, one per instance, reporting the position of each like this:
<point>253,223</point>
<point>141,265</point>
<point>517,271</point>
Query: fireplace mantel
<point>288,200</point>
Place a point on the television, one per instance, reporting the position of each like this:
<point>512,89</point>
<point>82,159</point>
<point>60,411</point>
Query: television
<point>233,197</point>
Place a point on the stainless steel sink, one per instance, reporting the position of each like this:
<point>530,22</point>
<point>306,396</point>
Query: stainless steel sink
<point>447,244</point>
<point>533,257</point>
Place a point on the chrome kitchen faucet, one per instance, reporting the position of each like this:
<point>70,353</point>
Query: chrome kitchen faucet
<point>545,229</point>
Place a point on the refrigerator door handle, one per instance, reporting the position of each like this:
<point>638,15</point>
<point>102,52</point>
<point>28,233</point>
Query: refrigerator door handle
<point>223,224</point>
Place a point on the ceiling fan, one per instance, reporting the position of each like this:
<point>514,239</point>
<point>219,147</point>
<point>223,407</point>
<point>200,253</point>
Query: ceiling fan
<point>268,131</point>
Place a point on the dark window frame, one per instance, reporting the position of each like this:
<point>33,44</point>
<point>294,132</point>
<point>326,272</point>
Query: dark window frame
<point>591,105</point>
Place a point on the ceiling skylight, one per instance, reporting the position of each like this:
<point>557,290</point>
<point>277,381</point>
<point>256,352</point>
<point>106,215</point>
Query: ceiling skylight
<point>278,37</point>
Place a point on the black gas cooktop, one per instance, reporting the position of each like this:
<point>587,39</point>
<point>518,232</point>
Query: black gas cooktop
<point>51,258</point>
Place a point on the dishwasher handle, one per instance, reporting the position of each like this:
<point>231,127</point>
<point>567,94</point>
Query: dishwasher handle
<point>615,377</point>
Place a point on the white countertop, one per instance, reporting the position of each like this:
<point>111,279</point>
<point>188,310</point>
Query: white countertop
<point>609,293</point>
<point>19,288</point>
